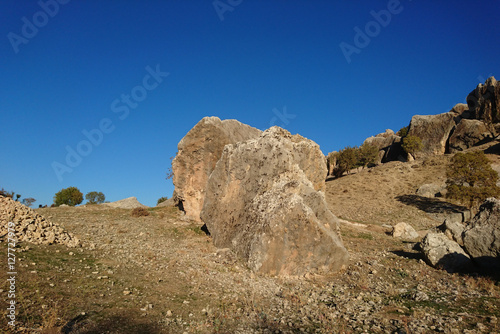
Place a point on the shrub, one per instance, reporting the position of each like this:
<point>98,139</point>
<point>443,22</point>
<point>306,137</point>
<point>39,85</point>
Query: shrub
<point>6,193</point>
<point>403,132</point>
<point>161,199</point>
<point>412,144</point>
<point>139,212</point>
<point>347,159</point>
<point>470,179</point>
<point>367,154</point>
<point>95,197</point>
<point>28,201</point>
<point>70,196</point>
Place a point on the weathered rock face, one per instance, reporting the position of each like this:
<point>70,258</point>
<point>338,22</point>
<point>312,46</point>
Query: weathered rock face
<point>441,252</point>
<point>434,130</point>
<point>482,235</point>
<point>198,152</point>
<point>265,201</point>
<point>389,145</point>
<point>484,102</point>
<point>31,227</point>
<point>468,133</point>
<point>404,231</point>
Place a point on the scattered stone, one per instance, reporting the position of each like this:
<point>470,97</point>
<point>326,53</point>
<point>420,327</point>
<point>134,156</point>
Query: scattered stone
<point>32,227</point>
<point>265,201</point>
<point>404,231</point>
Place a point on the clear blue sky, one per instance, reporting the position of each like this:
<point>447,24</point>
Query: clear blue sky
<point>87,61</point>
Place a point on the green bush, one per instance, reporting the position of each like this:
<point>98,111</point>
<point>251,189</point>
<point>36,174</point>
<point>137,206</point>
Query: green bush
<point>470,179</point>
<point>412,144</point>
<point>367,155</point>
<point>403,132</point>
<point>95,197</point>
<point>161,199</point>
<point>70,196</point>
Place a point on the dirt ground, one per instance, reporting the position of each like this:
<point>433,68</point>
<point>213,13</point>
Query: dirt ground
<point>162,274</point>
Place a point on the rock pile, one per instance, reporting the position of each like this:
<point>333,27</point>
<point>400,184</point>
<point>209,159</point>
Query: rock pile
<point>265,201</point>
<point>32,227</point>
<point>198,152</point>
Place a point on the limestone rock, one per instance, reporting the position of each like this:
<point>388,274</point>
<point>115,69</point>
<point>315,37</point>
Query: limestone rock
<point>434,130</point>
<point>30,226</point>
<point>404,231</point>
<point>441,252</point>
<point>198,152</point>
<point>482,234</point>
<point>430,190</point>
<point>468,133</point>
<point>484,102</point>
<point>265,201</point>
<point>389,145</point>
<point>127,203</point>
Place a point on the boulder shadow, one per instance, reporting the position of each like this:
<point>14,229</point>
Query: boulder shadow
<point>430,205</point>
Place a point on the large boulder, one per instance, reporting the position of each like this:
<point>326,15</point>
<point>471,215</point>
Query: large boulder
<point>389,145</point>
<point>198,152</point>
<point>29,226</point>
<point>468,133</point>
<point>441,252</point>
<point>431,190</point>
<point>265,201</point>
<point>484,103</point>
<point>404,231</point>
<point>482,235</point>
<point>434,130</point>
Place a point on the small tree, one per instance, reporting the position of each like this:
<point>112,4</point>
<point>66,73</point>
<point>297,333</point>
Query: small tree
<point>6,193</point>
<point>70,196</point>
<point>368,154</point>
<point>161,200</point>
<point>347,159</point>
<point>28,201</point>
<point>470,179</point>
<point>412,144</point>
<point>95,197</point>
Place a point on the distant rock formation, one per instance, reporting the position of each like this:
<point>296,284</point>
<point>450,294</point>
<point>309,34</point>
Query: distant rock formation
<point>464,126</point>
<point>127,203</point>
<point>32,227</point>
<point>389,145</point>
<point>265,201</point>
<point>198,152</point>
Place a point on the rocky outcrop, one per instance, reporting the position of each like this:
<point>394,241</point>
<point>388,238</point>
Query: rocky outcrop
<point>441,252</point>
<point>481,237</point>
<point>468,133</point>
<point>434,130</point>
<point>484,103</point>
<point>198,152</point>
<point>265,201</point>
<point>127,203</point>
<point>404,231</point>
<point>389,145</point>
<point>30,226</point>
